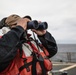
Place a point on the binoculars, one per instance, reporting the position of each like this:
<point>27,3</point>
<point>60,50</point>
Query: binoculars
<point>38,26</point>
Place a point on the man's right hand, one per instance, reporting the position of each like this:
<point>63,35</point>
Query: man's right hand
<point>23,22</point>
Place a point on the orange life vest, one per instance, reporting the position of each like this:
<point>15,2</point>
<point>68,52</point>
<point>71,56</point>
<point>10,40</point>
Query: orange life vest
<point>16,66</point>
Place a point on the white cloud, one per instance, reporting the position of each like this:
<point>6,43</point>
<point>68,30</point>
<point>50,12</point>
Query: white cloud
<point>60,15</point>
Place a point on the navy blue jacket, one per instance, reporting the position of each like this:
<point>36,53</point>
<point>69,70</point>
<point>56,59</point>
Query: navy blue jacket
<point>9,41</point>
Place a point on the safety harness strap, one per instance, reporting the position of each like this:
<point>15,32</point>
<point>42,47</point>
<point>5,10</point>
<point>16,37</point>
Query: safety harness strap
<point>26,65</point>
<point>34,64</point>
<point>37,57</point>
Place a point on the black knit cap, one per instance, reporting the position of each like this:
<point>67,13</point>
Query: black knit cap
<point>27,16</point>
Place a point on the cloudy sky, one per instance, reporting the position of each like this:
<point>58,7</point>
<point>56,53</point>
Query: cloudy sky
<point>59,14</point>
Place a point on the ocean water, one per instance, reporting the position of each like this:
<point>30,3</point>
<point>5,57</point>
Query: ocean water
<point>66,47</point>
<point>66,53</point>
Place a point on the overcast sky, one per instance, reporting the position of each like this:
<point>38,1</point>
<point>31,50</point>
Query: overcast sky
<point>59,14</point>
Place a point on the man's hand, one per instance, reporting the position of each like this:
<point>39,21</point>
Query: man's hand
<point>23,23</point>
<point>39,32</point>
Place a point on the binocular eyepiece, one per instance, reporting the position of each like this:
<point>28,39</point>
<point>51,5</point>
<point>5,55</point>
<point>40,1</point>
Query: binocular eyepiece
<point>38,26</point>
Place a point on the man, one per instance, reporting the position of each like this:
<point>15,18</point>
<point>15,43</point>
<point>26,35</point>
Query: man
<point>10,61</point>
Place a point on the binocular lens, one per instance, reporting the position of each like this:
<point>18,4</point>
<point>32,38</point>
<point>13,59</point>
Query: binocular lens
<point>38,26</point>
<point>32,25</point>
<point>43,25</point>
